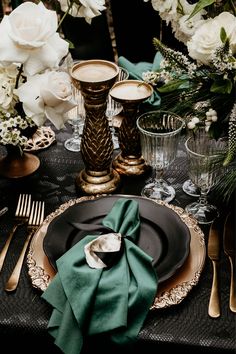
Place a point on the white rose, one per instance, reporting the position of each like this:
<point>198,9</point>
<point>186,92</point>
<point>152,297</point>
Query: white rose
<point>188,27</point>
<point>207,37</point>
<point>86,8</point>
<point>47,96</point>
<point>28,36</point>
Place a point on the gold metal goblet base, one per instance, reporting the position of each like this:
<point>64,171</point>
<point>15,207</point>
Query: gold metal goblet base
<point>19,166</point>
<point>98,182</point>
<point>130,165</point>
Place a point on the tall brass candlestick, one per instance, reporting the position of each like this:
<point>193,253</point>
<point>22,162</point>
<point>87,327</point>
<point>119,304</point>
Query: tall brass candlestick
<point>95,78</point>
<point>130,93</point>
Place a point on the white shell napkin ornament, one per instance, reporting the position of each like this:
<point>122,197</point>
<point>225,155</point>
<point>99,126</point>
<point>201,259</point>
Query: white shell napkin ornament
<point>106,243</point>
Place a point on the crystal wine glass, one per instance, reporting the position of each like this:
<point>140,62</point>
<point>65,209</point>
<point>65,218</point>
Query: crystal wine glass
<point>190,188</point>
<point>160,134</point>
<point>114,107</point>
<point>205,168</point>
<point>76,120</point>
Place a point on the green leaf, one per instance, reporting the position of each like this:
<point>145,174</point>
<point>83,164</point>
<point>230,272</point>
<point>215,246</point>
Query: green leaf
<point>71,44</point>
<point>200,5</point>
<point>171,86</point>
<point>222,86</point>
<point>223,35</point>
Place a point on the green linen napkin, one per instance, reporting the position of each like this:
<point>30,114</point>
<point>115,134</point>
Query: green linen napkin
<point>136,71</point>
<point>112,301</point>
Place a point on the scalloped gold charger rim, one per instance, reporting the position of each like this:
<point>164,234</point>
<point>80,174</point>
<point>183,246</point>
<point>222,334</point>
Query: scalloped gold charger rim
<point>171,292</point>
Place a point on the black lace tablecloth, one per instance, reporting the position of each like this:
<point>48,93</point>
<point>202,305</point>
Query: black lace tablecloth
<point>24,315</point>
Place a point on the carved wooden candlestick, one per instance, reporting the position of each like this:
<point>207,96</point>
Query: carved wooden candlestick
<point>95,78</point>
<point>130,93</point>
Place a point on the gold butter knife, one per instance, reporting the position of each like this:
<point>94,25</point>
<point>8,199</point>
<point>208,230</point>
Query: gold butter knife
<point>3,211</point>
<point>229,249</point>
<point>214,255</point>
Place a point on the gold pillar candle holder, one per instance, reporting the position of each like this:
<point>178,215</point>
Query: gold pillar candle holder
<point>95,78</point>
<point>130,93</point>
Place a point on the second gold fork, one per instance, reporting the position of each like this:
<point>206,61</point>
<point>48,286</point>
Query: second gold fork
<point>21,217</point>
<point>35,219</point>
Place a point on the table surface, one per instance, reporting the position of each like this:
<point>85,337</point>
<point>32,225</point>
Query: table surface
<point>24,314</point>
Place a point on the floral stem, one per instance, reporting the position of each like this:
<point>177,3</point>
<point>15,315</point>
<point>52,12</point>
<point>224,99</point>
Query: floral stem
<point>233,7</point>
<point>65,14</point>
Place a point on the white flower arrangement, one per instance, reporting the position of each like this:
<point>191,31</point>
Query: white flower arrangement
<point>11,128</point>
<point>34,88</point>
<point>203,81</point>
<point>186,16</point>
<point>200,85</point>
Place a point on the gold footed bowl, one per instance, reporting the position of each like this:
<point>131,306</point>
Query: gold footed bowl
<point>17,163</point>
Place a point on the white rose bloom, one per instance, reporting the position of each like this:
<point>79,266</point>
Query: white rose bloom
<point>232,41</point>
<point>188,27</point>
<point>47,96</point>
<point>163,5</point>
<point>28,36</point>
<point>207,37</point>
<point>87,8</point>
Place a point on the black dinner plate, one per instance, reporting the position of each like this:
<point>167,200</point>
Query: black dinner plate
<point>163,235</point>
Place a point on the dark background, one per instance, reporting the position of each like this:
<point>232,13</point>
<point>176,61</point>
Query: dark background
<point>135,22</point>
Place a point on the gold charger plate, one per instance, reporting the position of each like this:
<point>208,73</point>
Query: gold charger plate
<point>170,292</point>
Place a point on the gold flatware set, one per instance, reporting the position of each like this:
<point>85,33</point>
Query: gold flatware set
<point>32,214</point>
<point>229,242</point>
<point>3,211</point>
<point>214,255</point>
<point>214,247</point>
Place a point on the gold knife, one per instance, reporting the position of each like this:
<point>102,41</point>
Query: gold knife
<point>214,255</point>
<point>229,249</point>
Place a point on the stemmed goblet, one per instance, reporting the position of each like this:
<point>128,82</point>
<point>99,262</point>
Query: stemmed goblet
<point>76,120</point>
<point>114,107</point>
<point>205,168</point>
<point>160,134</point>
<point>190,188</point>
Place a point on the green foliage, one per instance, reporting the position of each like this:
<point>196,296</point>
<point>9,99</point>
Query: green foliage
<point>223,35</point>
<point>201,4</point>
<point>172,86</point>
<point>226,186</point>
<point>222,85</point>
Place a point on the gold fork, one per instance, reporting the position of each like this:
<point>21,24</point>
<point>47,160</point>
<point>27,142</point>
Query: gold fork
<point>35,219</point>
<point>21,217</point>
